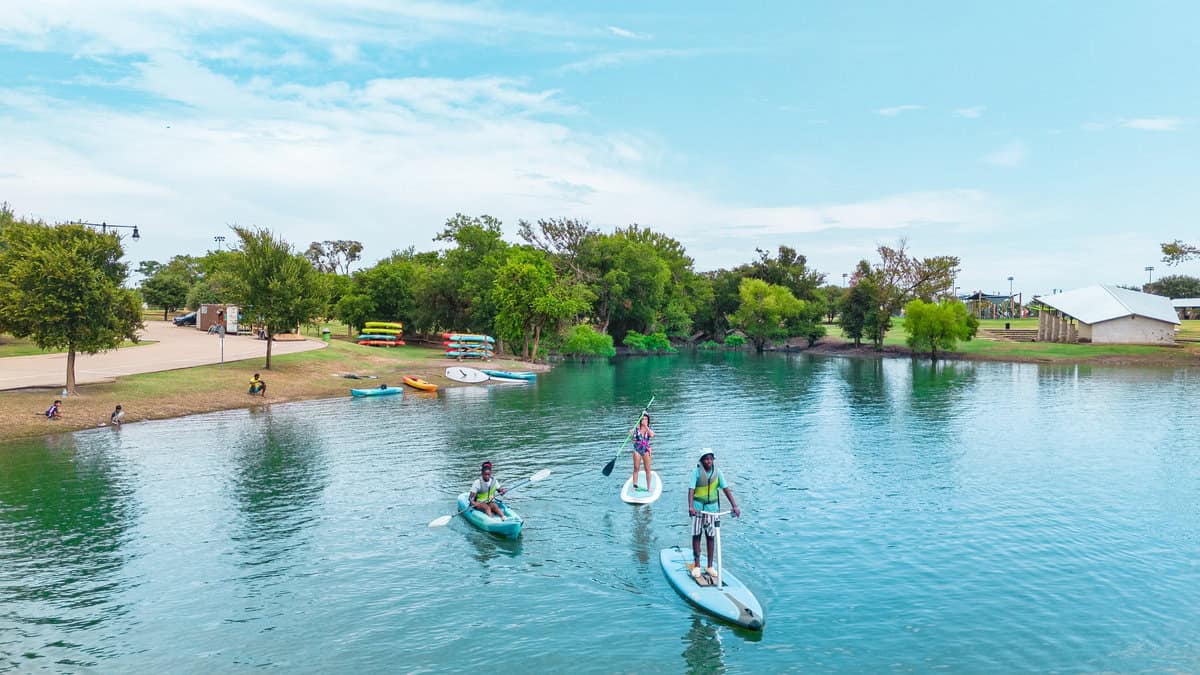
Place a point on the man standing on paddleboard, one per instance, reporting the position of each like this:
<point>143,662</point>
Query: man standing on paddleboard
<point>484,491</point>
<point>704,502</point>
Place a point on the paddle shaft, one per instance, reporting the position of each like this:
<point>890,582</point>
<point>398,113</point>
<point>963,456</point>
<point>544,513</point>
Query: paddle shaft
<point>608,468</point>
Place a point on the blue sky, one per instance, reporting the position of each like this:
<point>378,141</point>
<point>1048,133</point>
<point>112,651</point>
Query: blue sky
<point>1054,142</point>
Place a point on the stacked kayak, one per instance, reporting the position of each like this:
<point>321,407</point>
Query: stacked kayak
<point>418,383</point>
<point>509,528</point>
<point>381,334</point>
<point>469,346</point>
<point>377,391</point>
<point>526,375</point>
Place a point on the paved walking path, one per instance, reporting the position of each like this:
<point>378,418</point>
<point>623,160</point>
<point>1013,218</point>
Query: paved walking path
<point>176,347</point>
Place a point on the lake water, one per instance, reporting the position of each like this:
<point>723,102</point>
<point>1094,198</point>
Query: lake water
<point>975,517</point>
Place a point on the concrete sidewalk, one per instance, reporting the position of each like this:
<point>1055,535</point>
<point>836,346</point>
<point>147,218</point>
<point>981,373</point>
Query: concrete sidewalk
<point>176,347</point>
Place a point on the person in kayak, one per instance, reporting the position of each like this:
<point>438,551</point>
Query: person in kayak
<point>641,449</point>
<point>484,491</point>
<point>704,502</point>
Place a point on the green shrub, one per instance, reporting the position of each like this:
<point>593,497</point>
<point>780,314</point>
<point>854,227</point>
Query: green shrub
<point>709,344</point>
<point>584,341</point>
<point>654,343</point>
<point>736,341</point>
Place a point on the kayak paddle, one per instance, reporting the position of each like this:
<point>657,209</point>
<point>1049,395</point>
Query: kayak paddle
<point>608,468</point>
<point>442,521</point>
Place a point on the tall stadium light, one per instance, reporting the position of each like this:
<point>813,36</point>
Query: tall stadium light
<point>220,239</point>
<point>1150,270</point>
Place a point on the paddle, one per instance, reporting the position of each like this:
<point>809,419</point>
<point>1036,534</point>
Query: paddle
<point>608,468</point>
<point>442,521</point>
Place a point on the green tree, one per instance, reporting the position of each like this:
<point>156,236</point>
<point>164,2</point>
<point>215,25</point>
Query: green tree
<point>463,281</point>
<point>1179,251</point>
<point>529,297</point>
<point>713,316</point>
<point>334,256</point>
<point>765,311</point>
<point>62,287</point>
<point>934,327</point>
<point>859,304</point>
<point>168,285</point>
<point>1175,286</point>
<point>788,269</point>
<point>900,277</point>
<point>279,287</point>
<point>584,341</point>
<point>354,310</point>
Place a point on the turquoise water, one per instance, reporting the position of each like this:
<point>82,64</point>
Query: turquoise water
<point>898,517</point>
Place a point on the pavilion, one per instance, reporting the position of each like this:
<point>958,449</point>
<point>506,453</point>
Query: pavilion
<point>1106,315</point>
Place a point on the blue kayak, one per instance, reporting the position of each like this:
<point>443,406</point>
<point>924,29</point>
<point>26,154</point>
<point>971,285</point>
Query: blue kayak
<point>377,391</point>
<point>509,528</point>
<point>372,336</point>
<point>731,601</point>
<point>512,375</point>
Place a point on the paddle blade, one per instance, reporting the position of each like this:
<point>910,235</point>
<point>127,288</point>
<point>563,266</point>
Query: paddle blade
<point>541,475</point>
<point>440,521</point>
<point>608,468</point>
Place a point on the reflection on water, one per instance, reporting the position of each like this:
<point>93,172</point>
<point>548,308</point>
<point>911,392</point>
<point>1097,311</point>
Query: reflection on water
<point>704,654</point>
<point>66,515</point>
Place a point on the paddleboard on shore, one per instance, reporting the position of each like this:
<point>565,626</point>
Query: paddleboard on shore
<point>644,494</point>
<point>464,374</point>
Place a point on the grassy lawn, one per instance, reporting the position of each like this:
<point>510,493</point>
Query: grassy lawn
<point>1052,351</point>
<point>11,346</point>
<point>293,377</point>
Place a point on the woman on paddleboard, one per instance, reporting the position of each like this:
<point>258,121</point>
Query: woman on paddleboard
<point>641,450</point>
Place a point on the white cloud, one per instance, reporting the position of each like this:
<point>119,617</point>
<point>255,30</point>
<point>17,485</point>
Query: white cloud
<point>1153,123</point>
<point>628,34</point>
<point>1012,155</point>
<point>897,109</point>
<point>974,112</point>
<point>968,208</point>
<point>623,57</point>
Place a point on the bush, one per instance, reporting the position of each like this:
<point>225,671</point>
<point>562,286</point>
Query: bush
<point>655,342</point>
<point>735,341</point>
<point>709,344</point>
<point>584,341</point>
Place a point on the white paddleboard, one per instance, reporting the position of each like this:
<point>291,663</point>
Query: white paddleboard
<point>464,374</point>
<point>642,495</point>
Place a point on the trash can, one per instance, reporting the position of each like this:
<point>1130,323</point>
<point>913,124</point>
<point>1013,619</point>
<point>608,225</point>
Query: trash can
<point>325,334</point>
<point>1007,326</point>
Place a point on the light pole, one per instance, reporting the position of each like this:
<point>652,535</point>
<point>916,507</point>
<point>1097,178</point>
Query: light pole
<point>104,228</point>
<point>844,275</point>
<point>1150,270</point>
<point>220,239</point>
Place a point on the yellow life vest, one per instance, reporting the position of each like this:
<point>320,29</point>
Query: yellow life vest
<point>706,491</point>
<point>488,492</point>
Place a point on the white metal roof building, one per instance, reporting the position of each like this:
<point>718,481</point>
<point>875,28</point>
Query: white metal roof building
<point>1107,314</point>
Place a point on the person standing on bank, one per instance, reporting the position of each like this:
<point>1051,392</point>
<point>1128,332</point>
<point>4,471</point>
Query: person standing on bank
<point>641,449</point>
<point>704,502</point>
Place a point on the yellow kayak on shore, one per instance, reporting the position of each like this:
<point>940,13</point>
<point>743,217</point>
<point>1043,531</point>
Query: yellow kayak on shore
<point>418,383</point>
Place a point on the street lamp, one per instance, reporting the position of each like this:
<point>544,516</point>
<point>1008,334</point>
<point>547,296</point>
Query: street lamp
<point>1010,287</point>
<point>220,238</point>
<point>1150,269</point>
<point>104,228</point>
<point>844,275</point>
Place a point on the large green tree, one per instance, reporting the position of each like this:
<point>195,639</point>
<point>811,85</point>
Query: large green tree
<point>334,256</point>
<point>900,277</point>
<point>279,288</point>
<point>938,326</point>
<point>531,298</point>
<point>859,304</point>
<point>765,311</point>
<point>62,287</point>
<point>1175,286</point>
<point>462,283</point>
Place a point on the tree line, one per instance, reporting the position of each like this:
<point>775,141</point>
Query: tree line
<point>564,286</point>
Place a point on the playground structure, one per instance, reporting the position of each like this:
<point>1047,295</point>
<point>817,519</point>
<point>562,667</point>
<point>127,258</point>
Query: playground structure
<point>995,306</point>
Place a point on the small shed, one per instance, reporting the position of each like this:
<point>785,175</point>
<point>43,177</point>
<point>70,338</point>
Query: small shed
<point>209,316</point>
<point>1188,308</point>
<point>1107,315</point>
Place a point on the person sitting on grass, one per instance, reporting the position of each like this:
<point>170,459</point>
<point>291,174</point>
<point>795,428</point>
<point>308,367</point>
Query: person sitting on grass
<point>484,491</point>
<point>117,418</point>
<point>53,412</point>
<point>258,386</point>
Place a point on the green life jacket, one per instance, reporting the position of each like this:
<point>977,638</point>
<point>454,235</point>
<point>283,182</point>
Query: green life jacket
<point>706,491</point>
<point>487,492</point>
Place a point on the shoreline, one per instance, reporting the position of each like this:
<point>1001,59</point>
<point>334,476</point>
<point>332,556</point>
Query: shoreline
<point>168,394</point>
<point>1161,357</point>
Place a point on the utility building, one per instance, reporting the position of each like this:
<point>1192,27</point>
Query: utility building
<point>1106,315</point>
